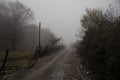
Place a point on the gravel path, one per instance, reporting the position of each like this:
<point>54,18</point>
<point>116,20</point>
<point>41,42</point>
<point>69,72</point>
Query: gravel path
<point>64,65</point>
<point>39,73</point>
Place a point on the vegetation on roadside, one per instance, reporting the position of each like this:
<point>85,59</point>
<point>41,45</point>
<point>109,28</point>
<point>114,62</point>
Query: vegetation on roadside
<point>99,48</point>
<point>16,58</point>
<point>19,35</point>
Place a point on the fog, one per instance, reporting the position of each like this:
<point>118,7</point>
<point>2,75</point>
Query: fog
<point>63,16</point>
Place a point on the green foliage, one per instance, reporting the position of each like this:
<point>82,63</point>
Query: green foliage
<point>54,40</point>
<point>54,45</point>
<point>100,47</point>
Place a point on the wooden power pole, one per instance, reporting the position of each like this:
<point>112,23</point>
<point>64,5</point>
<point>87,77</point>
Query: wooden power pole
<point>39,46</point>
<point>39,34</point>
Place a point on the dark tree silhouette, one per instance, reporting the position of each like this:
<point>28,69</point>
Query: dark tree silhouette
<point>14,16</point>
<point>100,47</point>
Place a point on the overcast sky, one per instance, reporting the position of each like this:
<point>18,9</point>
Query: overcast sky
<point>63,16</point>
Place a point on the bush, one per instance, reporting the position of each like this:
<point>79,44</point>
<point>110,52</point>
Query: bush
<point>100,47</point>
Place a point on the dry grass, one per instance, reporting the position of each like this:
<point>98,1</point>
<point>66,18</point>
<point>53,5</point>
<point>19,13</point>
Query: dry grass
<point>16,58</point>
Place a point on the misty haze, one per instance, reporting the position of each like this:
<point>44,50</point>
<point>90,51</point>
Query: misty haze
<point>59,39</point>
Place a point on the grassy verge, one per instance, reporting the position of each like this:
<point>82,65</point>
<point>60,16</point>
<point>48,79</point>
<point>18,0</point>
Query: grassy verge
<point>16,58</point>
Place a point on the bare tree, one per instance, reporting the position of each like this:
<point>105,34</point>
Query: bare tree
<point>14,17</point>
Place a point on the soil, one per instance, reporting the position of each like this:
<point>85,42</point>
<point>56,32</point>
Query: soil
<point>63,65</point>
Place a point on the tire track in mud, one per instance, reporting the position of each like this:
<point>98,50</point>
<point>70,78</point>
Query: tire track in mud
<point>64,66</point>
<point>39,74</point>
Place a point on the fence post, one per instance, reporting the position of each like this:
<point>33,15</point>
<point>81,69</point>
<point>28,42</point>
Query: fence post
<point>5,59</point>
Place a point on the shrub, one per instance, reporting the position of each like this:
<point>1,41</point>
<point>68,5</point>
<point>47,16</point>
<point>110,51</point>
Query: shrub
<point>100,46</point>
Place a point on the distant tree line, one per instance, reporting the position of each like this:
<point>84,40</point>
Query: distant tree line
<point>14,16</point>
<point>17,31</point>
<point>99,48</point>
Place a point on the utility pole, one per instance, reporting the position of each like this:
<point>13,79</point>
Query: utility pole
<point>39,45</point>
<point>39,34</point>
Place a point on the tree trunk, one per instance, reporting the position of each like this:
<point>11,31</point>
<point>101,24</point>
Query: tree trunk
<point>14,45</point>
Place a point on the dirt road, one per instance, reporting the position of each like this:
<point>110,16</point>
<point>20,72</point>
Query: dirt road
<point>59,67</point>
